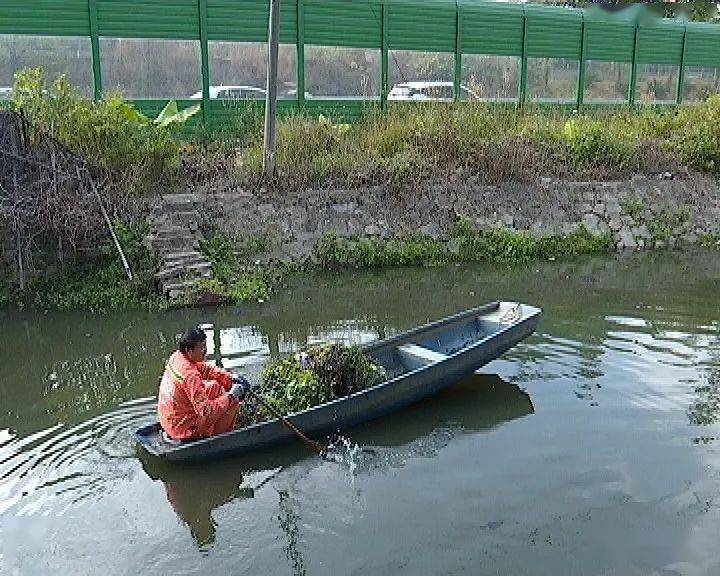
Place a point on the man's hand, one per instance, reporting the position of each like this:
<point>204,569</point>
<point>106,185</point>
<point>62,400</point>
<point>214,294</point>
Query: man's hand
<point>241,387</point>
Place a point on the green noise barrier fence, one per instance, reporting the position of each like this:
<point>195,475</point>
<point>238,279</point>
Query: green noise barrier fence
<point>457,28</point>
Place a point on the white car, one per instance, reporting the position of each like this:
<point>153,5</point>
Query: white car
<point>232,93</point>
<point>430,91</point>
<point>5,93</point>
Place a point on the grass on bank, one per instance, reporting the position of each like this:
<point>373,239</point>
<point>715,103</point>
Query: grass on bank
<point>237,279</point>
<point>467,244</point>
<point>411,143</point>
<point>404,148</point>
<point>96,284</point>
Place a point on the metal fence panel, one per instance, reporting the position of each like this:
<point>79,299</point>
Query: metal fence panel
<point>349,23</point>
<point>449,26</point>
<point>430,26</point>
<point>491,28</point>
<point>45,17</point>
<point>247,20</point>
<point>660,42</point>
<point>175,19</point>
<point>702,45</point>
<point>611,41</point>
<point>553,32</point>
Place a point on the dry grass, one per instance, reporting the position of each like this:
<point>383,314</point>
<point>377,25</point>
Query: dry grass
<point>410,145</point>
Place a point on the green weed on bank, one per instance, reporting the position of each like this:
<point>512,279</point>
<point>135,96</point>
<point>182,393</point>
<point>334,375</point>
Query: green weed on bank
<point>97,284</point>
<point>467,244</point>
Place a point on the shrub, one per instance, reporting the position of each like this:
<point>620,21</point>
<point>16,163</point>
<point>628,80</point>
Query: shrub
<point>696,135</point>
<point>109,134</point>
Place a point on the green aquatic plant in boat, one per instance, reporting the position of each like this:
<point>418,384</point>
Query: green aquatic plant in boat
<point>316,375</point>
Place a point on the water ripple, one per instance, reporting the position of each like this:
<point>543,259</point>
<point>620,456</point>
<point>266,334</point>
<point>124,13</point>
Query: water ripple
<point>62,466</point>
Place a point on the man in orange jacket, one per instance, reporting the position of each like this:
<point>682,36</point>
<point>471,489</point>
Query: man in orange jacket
<point>197,399</point>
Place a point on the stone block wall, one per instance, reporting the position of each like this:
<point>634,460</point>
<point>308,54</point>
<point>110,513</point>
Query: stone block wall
<point>640,213</point>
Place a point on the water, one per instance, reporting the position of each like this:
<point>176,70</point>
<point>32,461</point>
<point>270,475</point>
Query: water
<point>590,449</point>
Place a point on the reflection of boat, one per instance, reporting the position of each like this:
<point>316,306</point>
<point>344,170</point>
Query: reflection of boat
<point>478,402</point>
<point>419,362</point>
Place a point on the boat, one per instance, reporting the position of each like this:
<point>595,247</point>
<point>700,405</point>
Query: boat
<point>418,363</point>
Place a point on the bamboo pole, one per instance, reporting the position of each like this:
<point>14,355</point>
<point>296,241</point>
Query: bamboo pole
<point>271,93</point>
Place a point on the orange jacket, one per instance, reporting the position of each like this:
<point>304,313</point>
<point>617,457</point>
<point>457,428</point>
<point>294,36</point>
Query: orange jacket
<point>184,409</point>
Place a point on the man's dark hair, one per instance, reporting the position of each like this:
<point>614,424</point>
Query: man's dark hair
<point>190,339</point>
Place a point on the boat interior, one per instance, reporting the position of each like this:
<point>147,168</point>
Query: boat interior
<point>438,343</point>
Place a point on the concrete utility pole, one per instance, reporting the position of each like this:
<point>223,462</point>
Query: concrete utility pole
<point>271,93</point>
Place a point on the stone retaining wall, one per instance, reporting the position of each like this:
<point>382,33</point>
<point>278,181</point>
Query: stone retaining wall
<point>641,213</point>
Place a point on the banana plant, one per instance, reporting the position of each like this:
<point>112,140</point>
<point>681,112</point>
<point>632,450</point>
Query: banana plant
<point>169,115</point>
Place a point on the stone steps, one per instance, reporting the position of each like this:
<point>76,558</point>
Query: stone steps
<point>170,245</point>
<point>175,236</point>
<point>172,217</point>
<point>201,269</point>
<point>184,258</point>
<point>179,289</point>
<point>173,232</point>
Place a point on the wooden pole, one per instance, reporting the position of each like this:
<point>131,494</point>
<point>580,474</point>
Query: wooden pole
<point>271,93</point>
<point>17,224</point>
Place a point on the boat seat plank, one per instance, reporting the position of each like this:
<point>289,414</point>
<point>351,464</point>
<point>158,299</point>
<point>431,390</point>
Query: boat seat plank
<point>414,356</point>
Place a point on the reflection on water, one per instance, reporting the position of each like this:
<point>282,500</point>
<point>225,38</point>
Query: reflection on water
<point>705,408</point>
<point>478,402</point>
<point>289,521</point>
<point>620,452</point>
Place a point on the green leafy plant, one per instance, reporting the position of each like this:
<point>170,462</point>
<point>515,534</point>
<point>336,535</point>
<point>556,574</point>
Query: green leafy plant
<point>317,375</point>
<point>170,114</point>
<point>110,134</point>
<point>235,278</point>
<point>332,251</point>
<point>664,224</point>
<point>505,246</point>
<point>468,244</point>
<point>7,296</point>
<point>633,207</point>
<point>100,283</point>
<point>710,240</point>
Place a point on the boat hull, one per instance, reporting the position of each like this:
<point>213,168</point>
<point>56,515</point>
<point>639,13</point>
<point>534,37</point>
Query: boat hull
<point>394,394</point>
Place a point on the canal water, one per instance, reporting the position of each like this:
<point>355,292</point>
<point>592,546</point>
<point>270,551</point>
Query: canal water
<point>593,448</point>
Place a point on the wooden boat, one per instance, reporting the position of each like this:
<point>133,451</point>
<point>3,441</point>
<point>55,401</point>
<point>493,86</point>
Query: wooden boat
<point>418,362</point>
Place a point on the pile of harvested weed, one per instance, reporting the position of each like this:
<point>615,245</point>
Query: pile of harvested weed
<point>317,375</point>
